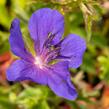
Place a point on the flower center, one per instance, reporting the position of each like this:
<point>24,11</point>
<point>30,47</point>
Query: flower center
<point>38,62</point>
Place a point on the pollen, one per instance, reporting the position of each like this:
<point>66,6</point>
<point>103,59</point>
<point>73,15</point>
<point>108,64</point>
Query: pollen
<point>38,62</point>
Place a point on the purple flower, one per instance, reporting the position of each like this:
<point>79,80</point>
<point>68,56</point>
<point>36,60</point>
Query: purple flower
<point>46,27</point>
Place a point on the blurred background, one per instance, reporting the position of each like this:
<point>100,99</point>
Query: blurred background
<point>87,18</point>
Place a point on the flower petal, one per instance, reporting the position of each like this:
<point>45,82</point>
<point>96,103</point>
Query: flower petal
<point>22,70</point>
<point>73,47</point>
<point>43,22</point>
<point>16,41</point>
<point>59,82</point>
<point>61,68</point>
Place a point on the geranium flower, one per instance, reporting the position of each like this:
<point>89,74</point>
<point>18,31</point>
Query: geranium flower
<point>46,27</point>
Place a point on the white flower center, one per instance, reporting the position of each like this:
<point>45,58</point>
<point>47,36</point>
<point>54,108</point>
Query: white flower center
<point>38,62</point>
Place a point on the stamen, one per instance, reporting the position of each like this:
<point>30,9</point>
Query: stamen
<point>52,54</point>
<point>49,51</point>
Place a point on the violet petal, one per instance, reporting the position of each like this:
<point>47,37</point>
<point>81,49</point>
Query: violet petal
<point>59,82</point>
<point>16,41</point>
<point>43,22</point>
<point>22,70</point>
<point>73,46</point>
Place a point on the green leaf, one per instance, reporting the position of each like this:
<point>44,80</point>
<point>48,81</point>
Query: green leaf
<point>42,105</point>
<point>104,67</point>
